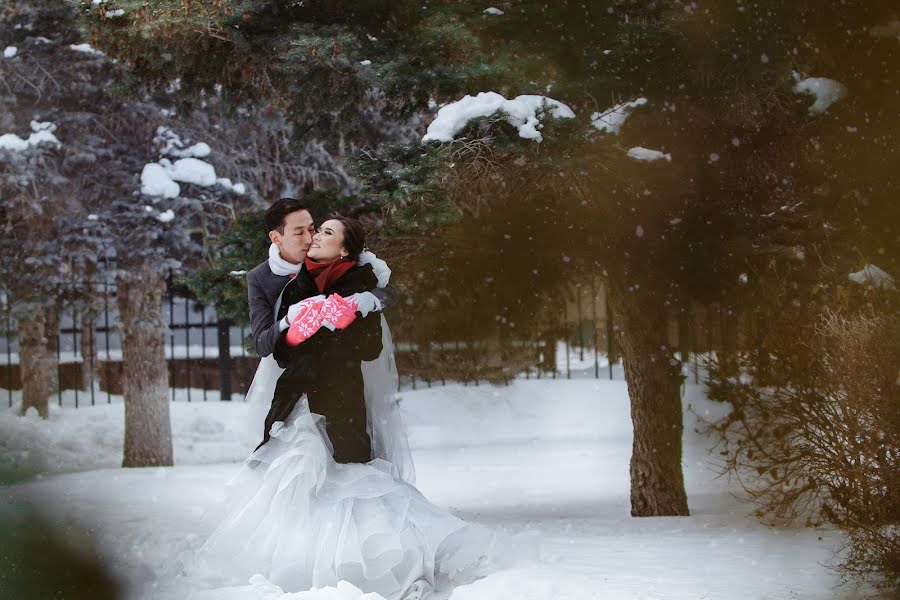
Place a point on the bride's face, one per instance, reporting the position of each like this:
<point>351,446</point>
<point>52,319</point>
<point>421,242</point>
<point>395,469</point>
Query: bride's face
<point>328,243</point>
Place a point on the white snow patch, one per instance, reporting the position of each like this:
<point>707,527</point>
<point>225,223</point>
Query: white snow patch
<point>42,133</point>
<point>44,136</point>
<point>37,126</point>
<point>115,13</point>
<point>521,112</point>
<point>503,456</point>
<point>156,181</point>
<point>13,143</point>
<point>199,150</point>
<point>639,153</point>
<point>171,144</point>
<point>827,92</point>
<point>639,231</point>
<point>86,48</point>
<point>10,52</point>
<point>872,275</point>
<point>193,170</point>
<point>166,217</point>
<point>611,120</point>
<point>493,11</point>
<point>365,63</point>
<point>237,188</point>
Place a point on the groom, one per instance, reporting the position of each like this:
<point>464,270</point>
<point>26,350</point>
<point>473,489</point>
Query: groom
<point>291,228</point>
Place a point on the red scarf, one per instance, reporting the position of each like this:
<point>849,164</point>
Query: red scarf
<point>326,274</point>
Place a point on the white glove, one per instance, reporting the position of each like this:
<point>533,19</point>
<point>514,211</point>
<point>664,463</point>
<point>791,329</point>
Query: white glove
<point>379,267</point>
<point>293,311</point>
<point>367,302</point>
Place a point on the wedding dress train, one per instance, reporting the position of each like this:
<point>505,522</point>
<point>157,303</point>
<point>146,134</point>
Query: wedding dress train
<point>301,520</point>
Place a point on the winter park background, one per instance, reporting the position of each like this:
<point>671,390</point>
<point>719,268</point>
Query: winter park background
<point>644,262</point>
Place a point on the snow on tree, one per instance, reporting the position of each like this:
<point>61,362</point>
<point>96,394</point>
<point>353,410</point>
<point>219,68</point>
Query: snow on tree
<point>80,209</point>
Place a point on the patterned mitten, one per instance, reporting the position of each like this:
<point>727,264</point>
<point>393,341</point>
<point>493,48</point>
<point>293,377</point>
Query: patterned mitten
<point>306,323</point>
<point>338,312</point>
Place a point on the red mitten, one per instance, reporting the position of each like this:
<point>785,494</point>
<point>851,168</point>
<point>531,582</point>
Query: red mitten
<point>337,312</point>
<point>306,323</point>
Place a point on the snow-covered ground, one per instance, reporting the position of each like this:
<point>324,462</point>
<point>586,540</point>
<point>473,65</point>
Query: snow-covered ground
<point>548,456</point>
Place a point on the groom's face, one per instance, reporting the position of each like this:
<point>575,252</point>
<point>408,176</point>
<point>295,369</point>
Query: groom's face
<point>296,236</point>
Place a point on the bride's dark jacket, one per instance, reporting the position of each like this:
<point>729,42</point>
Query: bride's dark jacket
<point>327,366</point>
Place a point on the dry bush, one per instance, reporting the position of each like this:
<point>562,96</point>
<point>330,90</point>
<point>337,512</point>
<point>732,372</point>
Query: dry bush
<point>821,444</point>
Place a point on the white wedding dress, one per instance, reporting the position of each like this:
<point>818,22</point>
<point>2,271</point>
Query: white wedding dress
<point>301,521</point>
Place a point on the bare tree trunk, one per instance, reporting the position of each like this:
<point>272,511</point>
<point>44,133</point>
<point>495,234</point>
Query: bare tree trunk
<point>728,354</point>
<point>34,364</point>
<point>51,333</point>
<point>685,332</point>
<point>145,381</point>
<point>654,386</point>
<point>90,365</point>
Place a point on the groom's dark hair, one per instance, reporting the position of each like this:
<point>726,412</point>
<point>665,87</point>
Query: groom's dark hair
<point>278,212</point>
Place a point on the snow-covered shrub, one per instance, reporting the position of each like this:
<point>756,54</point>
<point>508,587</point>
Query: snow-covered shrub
<point>820,440</point>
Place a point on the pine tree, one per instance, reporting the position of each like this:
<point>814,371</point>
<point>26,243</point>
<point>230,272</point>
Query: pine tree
<point>82,206</point>
<point>487,227</point>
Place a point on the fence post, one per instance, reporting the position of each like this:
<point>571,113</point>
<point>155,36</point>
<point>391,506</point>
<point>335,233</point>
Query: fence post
<point>224,335</point>
<point>187,344</point>
<point>171,362</point>
<point>203,348</point>
<point>9,379</point>
<point>610,333</point>
<point>596,327</point>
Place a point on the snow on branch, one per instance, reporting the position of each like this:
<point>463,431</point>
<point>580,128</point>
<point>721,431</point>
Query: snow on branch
<point>521,112</point>
<point>640,153</point>
<point>827,92</point>
<point>42,133</point>
<point>611,120</point>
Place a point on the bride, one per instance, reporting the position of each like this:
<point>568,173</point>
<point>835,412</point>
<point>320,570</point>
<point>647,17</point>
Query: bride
<point>330,495</point>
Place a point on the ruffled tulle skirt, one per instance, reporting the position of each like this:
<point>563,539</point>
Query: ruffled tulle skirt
<point>301,520</point>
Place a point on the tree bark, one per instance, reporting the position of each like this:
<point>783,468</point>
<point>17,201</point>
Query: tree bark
<point>90,364</point>
<point>51,333</point>
<point>145,379</point>
<point>34,363</point>
<point>654,385</point>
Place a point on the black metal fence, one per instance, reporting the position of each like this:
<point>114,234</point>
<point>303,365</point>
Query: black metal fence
<point>207,359</point>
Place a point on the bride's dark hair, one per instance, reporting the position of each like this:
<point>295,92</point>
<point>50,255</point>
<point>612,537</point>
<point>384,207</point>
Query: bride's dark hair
<point>354,235</point>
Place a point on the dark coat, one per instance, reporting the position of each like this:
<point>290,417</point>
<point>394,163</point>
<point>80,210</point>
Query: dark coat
<point>327,366</point>
<point>264,290</point>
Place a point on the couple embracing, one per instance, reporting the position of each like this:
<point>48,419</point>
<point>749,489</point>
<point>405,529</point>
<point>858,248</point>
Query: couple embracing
<point>329,495</point>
